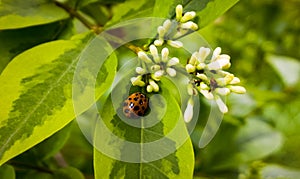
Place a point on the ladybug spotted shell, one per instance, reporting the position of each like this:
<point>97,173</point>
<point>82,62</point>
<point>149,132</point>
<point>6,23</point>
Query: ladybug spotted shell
<point>135,105</point>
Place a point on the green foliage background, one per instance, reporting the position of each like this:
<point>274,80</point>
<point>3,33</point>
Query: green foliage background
<point>259,137</point>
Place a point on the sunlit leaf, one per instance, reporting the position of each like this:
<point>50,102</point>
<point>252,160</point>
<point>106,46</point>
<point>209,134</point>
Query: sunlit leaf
<point>39,101</point>
<point>208,10</point>
<point>18,13</point>
<point>130,10</point>
<point>15,41</point>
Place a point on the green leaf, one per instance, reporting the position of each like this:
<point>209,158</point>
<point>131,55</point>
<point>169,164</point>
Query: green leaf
<point>39,101</point>
<point>208,10</point>
<point>287,68</point>
<point>7,172</point>
<point>13,42</point>
<point>18,13</point>
<point>130,10</point>
<point>165,8</point>
<point>127,150</point>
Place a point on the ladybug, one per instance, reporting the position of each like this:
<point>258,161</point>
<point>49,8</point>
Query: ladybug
<point>135,105</point>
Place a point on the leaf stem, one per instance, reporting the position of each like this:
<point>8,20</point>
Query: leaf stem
<point>97,29</point>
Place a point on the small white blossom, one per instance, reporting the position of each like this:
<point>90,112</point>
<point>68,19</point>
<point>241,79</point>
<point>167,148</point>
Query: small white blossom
<point>154,53</point>
<point>207,94</point>
<point>167,24</point>
<point>188,113</point>
<point>158,42</point>
<point>137,81</point>
<point>223,91</point>
<point>178,10</point>
<point>149,88</point>
<point>189,25</point>
<point>176,44</point>
<point>171,72</point>
<point>237,89</point>
<point>155,67</point>
<point>143,56</point>
<point>188,16</point>
<point>222,106</point>
<point>165,54</point>
<point>154,85</point>
<point>140,70</point>
<point>158,74</point>
<point>173,61</point>
<point>235,80</point>
<point>190,68</point>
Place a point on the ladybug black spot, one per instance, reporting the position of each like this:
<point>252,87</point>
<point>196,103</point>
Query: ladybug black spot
<point>135,98</point>
<point>141,102</point>
<point>136,108</point>
<point>140,113</point>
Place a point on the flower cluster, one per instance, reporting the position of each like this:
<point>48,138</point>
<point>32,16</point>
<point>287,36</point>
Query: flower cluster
<point>154,67</point>
<point>210,79</point>
<point>173,29</point>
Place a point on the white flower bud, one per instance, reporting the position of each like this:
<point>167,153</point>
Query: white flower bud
<point>158,74</point>
<point>164,54</point>
<point>154,77</point>
<point>143,56</point>
<point>178,12</point>
<point>216,53</point>
<point>176,44</point>
<point>154,85</point>
<point>223,108</point>
<point>158,42</point>
<point>207,94</point>
<point>228,78</point>
<point>219,64</point>
<point>190,68</point>
<point>188,113</point>
<point>149,88</point>
<point>171,72</point>
<point>173,61</point>
<point>167,24</point>
<point>154,52</point>
<point>203,53</point>
<point>137,81</point>
<point>204,86</point>
<point>190,89</point>
<point>188,16</point>
<point>189,25</point>
<point>155,67</point>
<point>140,70</point>
<point>193,60</point>
<point>161,31</point>
<point>202,76</point>
<point>235,80</point>
<point>223,91</point>
<point>237,89</point>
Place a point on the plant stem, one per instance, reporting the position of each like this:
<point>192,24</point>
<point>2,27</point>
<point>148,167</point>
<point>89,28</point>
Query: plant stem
<point>78,16</point>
